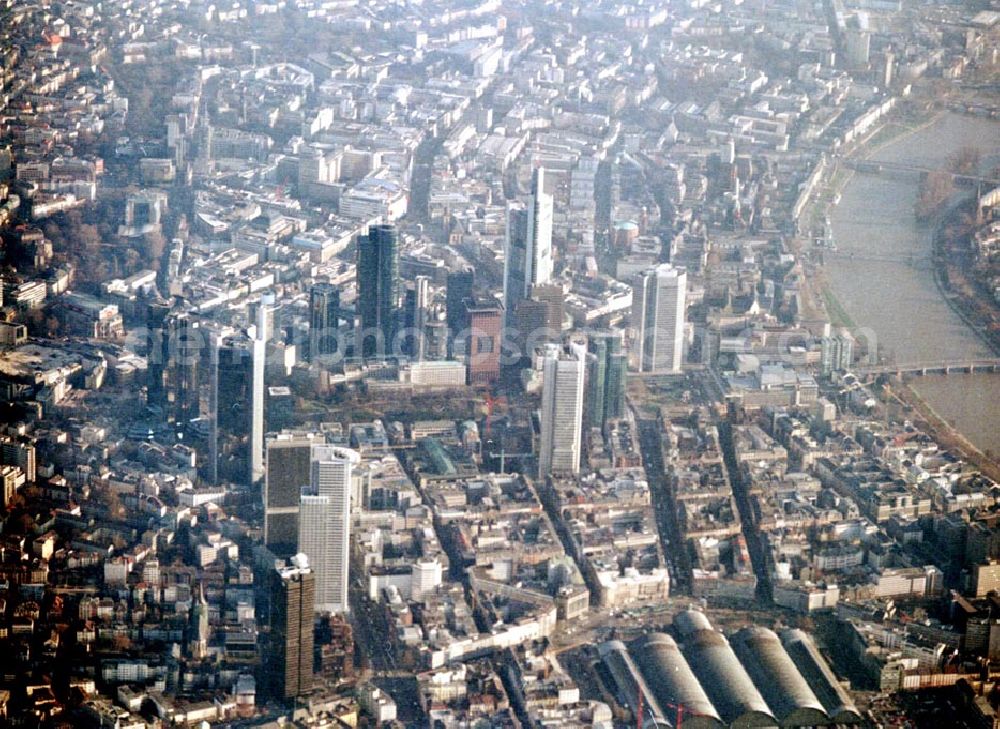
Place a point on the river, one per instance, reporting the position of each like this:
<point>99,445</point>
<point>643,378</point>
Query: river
<point>889,287</point>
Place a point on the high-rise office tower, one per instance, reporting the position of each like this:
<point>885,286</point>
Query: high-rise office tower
<point>658,314</point>
<point>606,368</point>
<point>157,351</point>
<point>528,246</point>
<point>219,442</point>
<point>597,363</point>
<point>289,469</point>
<point>538,319</point>
<point>616,382</point>
<point>187,346</point>
<point>279,409</point>
<point>267,317</point>
<point>484,325</point>
<point>324,315</point>
<point>378,289</point>
<point>437,340</point>
<point>563,372</point>
<point>293,592</point>
<point>417,311</point>
<point>238,405</point>
<point>325,523</point>
<point>460,287</point>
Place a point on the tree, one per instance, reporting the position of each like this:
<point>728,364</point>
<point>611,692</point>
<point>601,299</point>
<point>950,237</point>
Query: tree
<point>53,326</point>
<point>935,190</point>
<point>154,244</point>
<point>34,319</point>
<point>966,161</point>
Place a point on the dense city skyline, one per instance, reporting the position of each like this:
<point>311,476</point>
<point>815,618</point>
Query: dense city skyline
<point>503,364</point>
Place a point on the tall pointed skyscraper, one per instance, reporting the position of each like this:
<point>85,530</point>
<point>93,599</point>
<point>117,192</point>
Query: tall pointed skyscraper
<point>563,372</point>
<point>658,303</point>
<point>198,630</point>
<point>528,246</point>
<point>378,290</point>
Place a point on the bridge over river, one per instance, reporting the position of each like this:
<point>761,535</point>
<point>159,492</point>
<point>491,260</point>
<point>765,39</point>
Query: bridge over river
<point>904,171</point>
<point>934,367</point>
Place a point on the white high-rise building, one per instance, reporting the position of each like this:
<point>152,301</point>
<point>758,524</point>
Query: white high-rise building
<point>540,230</point>
<point>528,245</point>
<point>425,575</point>
<point>562,409</point>
<point>325,523</point>
<point>267,320</point>
<point>658,313</point>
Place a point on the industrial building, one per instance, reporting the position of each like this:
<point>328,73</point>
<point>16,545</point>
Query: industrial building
<point>720,673</point>
<point>782,685</point>
<point>675,684</point>
<point>698,679</point>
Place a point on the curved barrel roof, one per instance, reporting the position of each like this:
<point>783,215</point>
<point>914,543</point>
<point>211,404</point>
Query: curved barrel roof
<point>824,684</point>
<point>719,672</point>
<point>630,681</point>
<point>778,678</point>
<point>673,682</point>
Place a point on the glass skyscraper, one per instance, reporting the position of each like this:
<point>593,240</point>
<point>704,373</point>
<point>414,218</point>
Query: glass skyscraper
<point>606,372</point>
<point>378,289</point>
<point>324,314</point>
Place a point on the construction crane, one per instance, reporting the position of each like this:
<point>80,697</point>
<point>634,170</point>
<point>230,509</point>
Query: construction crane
<point>490,402</point>
<point>679,709</point>
<point>503,455</point>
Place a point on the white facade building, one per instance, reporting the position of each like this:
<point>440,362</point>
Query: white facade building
<point>325,523</point>
<point>562,410</point>
<point>540,230</point>
<point>528,245</point>
<point>658,313</point>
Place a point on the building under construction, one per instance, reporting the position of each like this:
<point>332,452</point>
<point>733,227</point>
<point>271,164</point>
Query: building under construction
<point>699,679</point>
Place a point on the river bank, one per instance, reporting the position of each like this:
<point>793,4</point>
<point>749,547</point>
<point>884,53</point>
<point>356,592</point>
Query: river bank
<point>886,274</point>
<point>945,434</point>
<point>890,131</point>
<point>950,264</point>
